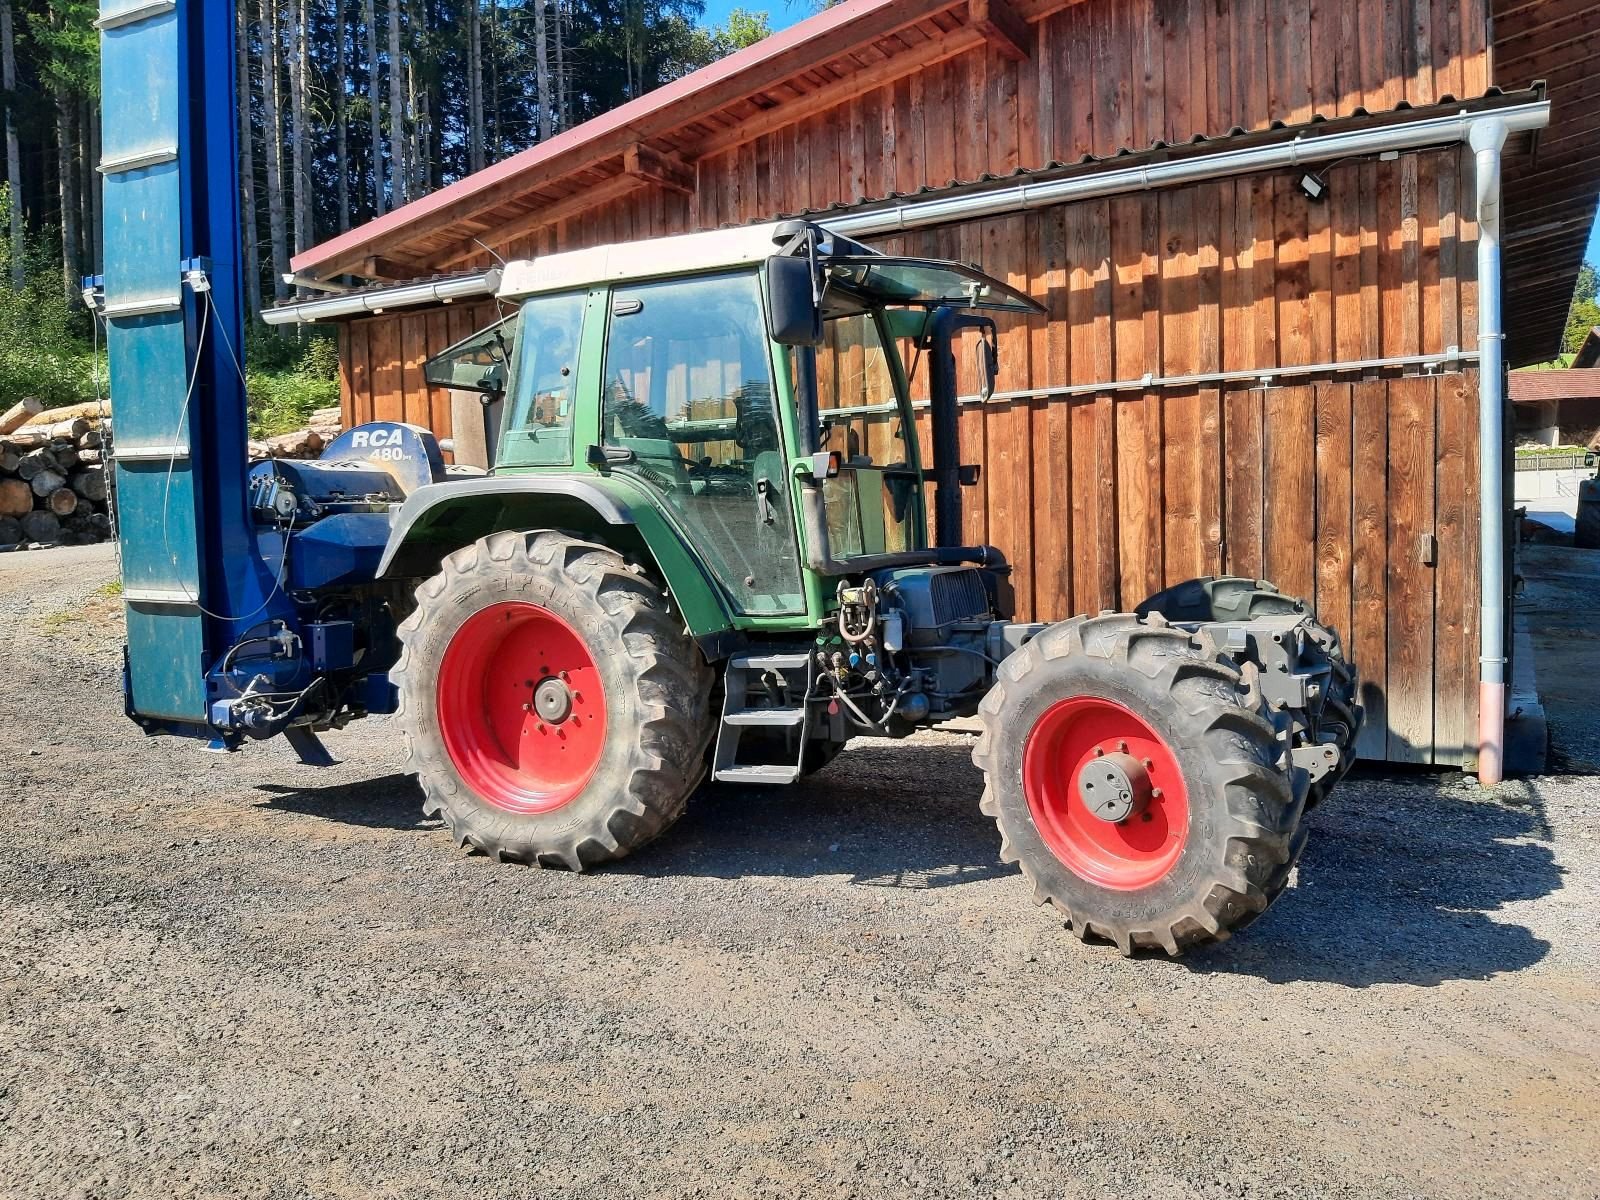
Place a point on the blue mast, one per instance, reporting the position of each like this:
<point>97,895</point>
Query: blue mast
<point>195,582</point>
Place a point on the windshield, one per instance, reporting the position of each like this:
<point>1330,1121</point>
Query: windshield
<point>874,504</point>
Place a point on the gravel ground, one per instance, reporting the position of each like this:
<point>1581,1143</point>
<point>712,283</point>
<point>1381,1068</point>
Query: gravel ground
<point>236,976</point>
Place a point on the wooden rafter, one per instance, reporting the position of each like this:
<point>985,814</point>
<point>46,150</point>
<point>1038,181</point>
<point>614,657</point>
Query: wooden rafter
<point>379,266</point>
<point>860,83</point>
<point>656,168</point>
<point>999,23</point>
<point>540,218</point>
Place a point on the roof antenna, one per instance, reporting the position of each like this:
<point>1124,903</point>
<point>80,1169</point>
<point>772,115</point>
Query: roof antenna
<point>491,252</point>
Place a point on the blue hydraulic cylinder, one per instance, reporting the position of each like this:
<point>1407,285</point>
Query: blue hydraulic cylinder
<point>194,581</point>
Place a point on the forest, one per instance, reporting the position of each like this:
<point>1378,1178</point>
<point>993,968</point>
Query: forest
<point>353,108</point>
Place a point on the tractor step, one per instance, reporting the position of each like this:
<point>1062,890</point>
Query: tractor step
<point>763,774</point>
<point>763,692</point>
<point>772,718</point>
<point>771,662</point>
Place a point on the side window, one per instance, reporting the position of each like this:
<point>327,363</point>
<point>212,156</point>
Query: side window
<point>481,363</point>
<point>688,393</point>
<point>539,422</point>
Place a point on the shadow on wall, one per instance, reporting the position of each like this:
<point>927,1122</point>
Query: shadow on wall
<point>1396,885</point>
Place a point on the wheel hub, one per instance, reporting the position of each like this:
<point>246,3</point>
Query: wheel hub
<point>521,707</point>
<point>1105,793</point>
<point>1114,787</point>
<point>552,700</point>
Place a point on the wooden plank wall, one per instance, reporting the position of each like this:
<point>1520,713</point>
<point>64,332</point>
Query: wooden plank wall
<point>1328,485</point>
<point>382,360</point>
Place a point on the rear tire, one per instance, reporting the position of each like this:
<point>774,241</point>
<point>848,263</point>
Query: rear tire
<point>555,710</point>
<point>1217,834</point>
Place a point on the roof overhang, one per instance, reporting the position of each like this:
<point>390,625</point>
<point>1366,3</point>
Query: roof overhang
<point>1550,198</point>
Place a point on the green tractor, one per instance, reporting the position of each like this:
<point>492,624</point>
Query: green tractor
<point>702,550</point>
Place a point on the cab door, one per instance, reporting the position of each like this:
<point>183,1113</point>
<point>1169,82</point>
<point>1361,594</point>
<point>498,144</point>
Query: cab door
<point>688,410</point>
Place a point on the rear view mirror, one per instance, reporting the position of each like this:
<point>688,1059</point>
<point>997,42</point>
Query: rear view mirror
<point>793,315</point>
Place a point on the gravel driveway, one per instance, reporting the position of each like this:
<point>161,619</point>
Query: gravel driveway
<point>236,976</point>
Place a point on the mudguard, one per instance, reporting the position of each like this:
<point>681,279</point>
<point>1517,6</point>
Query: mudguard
<point>440,518</point>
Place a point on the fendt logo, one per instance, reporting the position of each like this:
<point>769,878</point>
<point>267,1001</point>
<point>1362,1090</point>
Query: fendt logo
<point>363,439</point>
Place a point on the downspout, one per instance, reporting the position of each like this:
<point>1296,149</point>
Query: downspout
<point>1488,139</point>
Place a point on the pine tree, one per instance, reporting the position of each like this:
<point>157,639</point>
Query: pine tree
<point>8,63</point>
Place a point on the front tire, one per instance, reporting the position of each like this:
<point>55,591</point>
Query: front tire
<point>1199,805</point>
<point>1239,598</point>
<point>555,710</point>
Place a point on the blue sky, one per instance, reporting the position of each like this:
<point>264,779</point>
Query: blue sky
<point>780,13</point>
<point>1593,253</point>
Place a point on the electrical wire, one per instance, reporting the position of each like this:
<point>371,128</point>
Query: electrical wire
<point>172,466</point>
<point>915,650</point>
<point>107,446</point>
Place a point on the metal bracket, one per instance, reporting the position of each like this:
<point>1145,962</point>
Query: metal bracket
<point>161,596</point>
<point>150,453</point>
<point>139,160</point>
<point>139,12</point>
<point>143,308</point>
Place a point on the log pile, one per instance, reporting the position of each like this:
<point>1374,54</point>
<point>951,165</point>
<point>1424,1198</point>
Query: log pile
<point>53,482</point>
<point>54,470</point>
<point>302,443</point>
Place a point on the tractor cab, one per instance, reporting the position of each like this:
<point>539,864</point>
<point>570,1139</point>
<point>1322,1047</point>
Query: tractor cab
<point>755,388</point>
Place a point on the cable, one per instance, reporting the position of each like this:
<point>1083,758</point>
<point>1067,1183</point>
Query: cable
<point>107,444</point>
<point>172,466</point>
<point>915,650</point>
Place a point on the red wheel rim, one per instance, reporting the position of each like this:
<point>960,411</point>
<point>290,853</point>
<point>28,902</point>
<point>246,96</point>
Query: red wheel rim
<point>500,702</point>
<point>1124,855</point>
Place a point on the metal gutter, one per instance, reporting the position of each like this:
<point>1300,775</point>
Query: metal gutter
<point>442,291</point>
<point>1305,149</point>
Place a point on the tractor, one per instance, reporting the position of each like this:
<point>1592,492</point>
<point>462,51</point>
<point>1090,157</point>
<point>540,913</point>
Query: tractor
<point>702,550</point>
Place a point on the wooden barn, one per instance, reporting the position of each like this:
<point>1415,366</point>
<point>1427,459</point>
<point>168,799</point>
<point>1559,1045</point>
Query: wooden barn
<point>1259,358</point>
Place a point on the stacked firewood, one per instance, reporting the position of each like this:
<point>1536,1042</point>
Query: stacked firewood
<point>325,425</point>
<point>54,476</point>
<point>53,480</point>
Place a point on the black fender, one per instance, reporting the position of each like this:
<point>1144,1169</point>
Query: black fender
<point>441,517</point>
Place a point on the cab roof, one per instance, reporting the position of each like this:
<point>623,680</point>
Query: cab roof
<point>677,255</point>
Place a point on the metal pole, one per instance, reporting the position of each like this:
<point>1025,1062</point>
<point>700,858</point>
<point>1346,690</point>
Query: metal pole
<point>1488,139</point>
